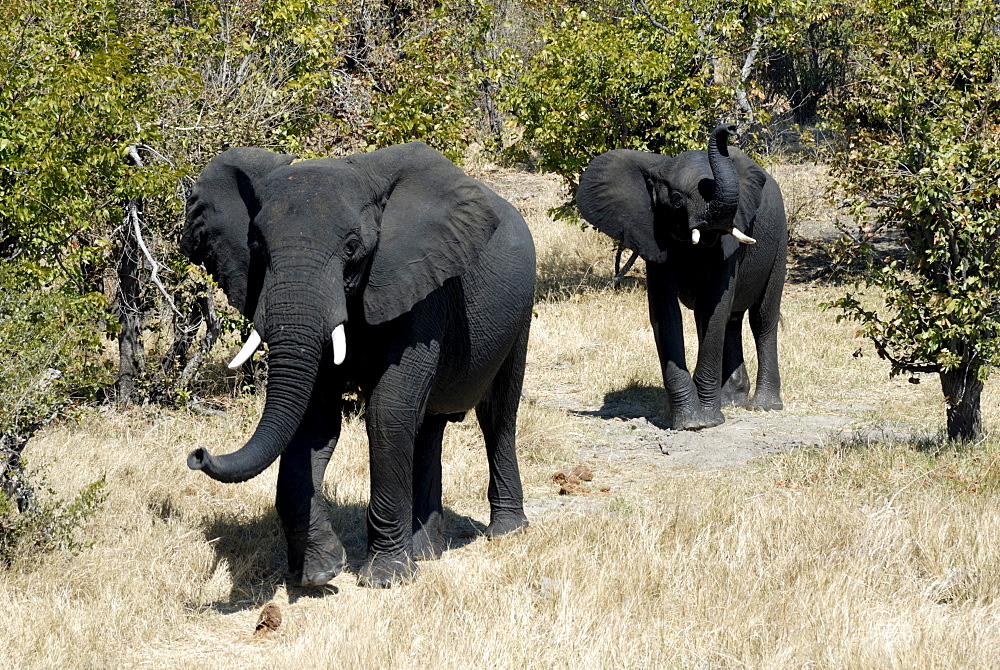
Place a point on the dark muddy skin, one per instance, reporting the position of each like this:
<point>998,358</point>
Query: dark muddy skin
<point>431,275</point>
<point>683,215</point>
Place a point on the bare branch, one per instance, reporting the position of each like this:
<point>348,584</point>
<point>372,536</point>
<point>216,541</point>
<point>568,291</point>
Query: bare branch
<point>649,15</point>
<point>187,128</point>
<point>901,365</point>
<point>748,64</point>
<point>213,327</point>
<point>132,217</point>
<point>156,153</point>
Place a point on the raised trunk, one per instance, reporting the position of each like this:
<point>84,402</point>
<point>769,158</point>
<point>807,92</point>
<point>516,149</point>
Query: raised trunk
<point>292,366</point>
<point>962,390</point>
<point>722,208</point>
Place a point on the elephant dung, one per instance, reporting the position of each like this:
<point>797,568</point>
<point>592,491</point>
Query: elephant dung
<point>269,619</point>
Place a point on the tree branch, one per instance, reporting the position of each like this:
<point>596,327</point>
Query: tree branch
<point>898,364</point>
<point>132,217</point>
<point>742,100</point>
<point>649,15</point>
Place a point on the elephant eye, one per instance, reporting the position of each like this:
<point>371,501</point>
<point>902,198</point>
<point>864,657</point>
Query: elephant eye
<point>351,247</point>
<point>676,200</point>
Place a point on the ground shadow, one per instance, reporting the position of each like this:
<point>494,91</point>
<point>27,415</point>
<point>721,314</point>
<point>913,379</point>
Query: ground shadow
<point>252,550</point>
<point>828,261</point>
<point>635,401</point>
<point>890,432</point>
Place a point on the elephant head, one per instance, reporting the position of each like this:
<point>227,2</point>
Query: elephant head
<point>649,202</point>
<point>291,243</point>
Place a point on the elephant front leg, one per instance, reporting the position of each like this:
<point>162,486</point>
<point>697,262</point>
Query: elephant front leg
<point>716,327</point>
<point>315,553</point>
<point>687,411</point>
<point>393,415</point>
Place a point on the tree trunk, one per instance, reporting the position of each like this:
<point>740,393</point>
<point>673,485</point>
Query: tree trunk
<point>206,303</point>
<point>184,331</point>
<point>962,390</point>
<point>494,119</point>
<point>131,352</point>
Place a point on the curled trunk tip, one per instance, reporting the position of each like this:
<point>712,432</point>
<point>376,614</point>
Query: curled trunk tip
<point>201,459</point>
<point>720,137</point>
<point>722,209</point>
<point>197,459</point>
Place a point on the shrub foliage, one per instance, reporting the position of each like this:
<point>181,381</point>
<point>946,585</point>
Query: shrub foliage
<point>921,153</point>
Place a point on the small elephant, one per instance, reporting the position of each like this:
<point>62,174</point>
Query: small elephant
<point>711,228</point>
<point>392,272</point>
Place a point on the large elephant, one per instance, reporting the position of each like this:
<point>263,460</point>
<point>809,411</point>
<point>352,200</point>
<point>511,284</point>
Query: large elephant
<point>711,228</point>
<point>393,272</point>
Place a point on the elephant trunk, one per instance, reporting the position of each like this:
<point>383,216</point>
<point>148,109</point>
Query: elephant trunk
<point>722,208</point>
<point>293,364</point>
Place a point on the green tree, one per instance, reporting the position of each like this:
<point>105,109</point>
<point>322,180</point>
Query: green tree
<point>600,83</point>
<point>920,119</point>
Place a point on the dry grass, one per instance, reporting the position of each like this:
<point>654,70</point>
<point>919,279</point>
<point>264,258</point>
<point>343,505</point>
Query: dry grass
<point>803,189</point>
<point>854,556</point>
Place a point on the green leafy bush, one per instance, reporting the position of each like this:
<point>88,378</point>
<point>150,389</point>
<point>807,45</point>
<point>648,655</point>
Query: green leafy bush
<point>921,141</point>
<point>50,349</point>
<point>49,359</point>
<point>32,523</point>
<point>427,77</point>
<point>600,84</point>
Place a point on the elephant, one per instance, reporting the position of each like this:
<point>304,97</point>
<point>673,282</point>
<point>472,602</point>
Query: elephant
<point>391,273</point>
<point>711,227</point>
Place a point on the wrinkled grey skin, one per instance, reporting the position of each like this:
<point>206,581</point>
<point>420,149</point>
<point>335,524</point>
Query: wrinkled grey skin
<point>651,204</point>
<point>432,275</point>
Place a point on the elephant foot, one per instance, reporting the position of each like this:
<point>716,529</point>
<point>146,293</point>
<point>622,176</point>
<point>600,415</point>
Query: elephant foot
<point>734,398</point>
<point>383,571</point>
<point>736,391</point>
<point>697,420</point>
<point>505,522</point>
<point>314,563</point>
<point>428,539</point>
<point>765,402</point>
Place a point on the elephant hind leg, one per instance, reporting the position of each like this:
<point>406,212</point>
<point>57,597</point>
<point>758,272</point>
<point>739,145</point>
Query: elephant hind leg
<point>764,321</point>
<point>497,415</point>
<point>736,381</point>
<point>428,512</point>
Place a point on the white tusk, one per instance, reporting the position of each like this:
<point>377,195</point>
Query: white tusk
<point>695,236</point>
<point>247,351</point>
<point>740,237</point>
<point>339,345</point>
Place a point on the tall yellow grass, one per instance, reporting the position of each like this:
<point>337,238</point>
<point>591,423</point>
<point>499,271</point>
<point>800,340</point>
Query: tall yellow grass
<point>845,557</point>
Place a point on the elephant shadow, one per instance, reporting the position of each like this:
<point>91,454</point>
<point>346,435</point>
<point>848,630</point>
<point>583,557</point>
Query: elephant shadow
<point>252,550</point>
<point>635,401</point>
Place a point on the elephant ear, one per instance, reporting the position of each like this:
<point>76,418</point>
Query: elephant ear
<point>435,222</point>
<point>615,196</point>
<point>752,180</point>
<point>222,203</point>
